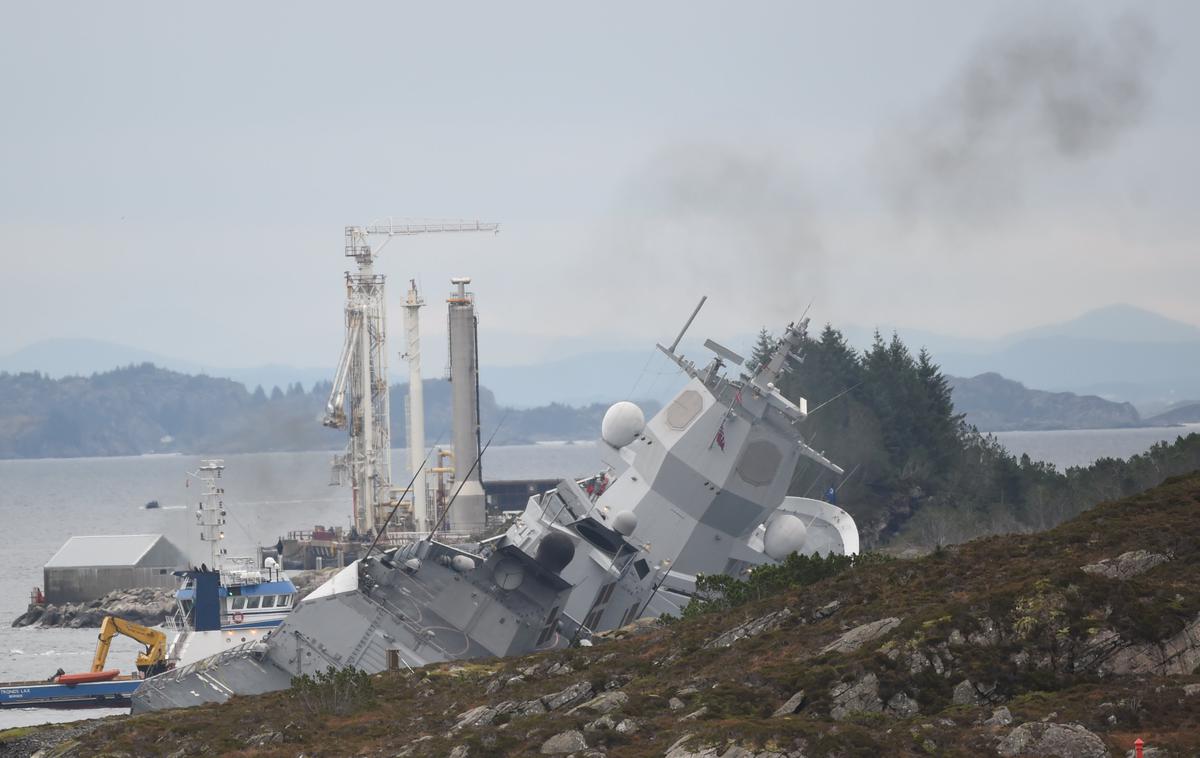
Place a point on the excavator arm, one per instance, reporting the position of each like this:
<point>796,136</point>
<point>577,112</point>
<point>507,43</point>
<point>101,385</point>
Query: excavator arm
<point>150,662</point>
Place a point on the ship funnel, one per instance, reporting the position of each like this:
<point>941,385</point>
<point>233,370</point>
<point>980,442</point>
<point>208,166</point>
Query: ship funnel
<point>468,514</point>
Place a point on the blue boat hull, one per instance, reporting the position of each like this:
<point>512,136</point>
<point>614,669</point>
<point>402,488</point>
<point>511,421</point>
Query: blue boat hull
<point>111,694</point>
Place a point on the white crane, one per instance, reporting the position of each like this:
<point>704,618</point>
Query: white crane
<point>359,399</point>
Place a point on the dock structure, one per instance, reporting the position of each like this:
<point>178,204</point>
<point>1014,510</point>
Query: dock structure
<point>88,568</point>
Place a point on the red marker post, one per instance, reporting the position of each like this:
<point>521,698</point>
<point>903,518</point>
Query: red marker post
<point>1137,746</point>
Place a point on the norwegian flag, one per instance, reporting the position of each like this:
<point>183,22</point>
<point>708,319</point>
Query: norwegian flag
<point>721,436</point>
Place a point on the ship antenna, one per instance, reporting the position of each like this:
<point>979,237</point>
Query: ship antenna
<point>395,507</point>
<point>466,476</point>
<point>835,397</point>
<point>691,318</point>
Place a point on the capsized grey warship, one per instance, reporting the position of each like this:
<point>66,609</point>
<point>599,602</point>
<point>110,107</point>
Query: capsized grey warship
<point>700,489</point>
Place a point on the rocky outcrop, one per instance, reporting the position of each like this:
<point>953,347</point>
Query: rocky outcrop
<point>861,635</point>
<point>485,715</point>
<point>861,696</point>
<point>1062,740</point>
<point>752,628</point>
<point>1109,653</point>
<point>902,706</point>
<point>683,749</point>
<point>792,705</point>
<point>149,606</point>
<point>564,742</point>
<point>1126,565</point>
<point>604,703</point>
<point>967,692</point>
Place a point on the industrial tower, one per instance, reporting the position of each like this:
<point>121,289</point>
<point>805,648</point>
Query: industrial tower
<point>416,406</point>
<point>469,513</point>
<point>359,400</point>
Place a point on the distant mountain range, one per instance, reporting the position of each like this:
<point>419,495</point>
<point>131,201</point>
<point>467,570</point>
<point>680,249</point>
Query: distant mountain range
<point>58,358</point>
<point>144,409</point>
<point>1184,413</point>
<point>995,404</point>
<point>1120,353</point>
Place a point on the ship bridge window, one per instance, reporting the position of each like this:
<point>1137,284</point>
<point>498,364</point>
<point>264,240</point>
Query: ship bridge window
<point>285,601</point>
<point>268,601</point>
<point>641,567</point>
<point>549,628</point>
<point>239,602</point>
<point>597,611</point>
<point>558,504</point>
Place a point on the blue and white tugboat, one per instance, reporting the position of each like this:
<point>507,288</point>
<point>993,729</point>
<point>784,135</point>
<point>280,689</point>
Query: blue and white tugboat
<point>251,600</point>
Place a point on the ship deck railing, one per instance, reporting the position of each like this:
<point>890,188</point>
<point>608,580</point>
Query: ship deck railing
<point>175,675</point>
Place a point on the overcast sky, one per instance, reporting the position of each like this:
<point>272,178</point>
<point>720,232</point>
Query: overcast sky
<point>177,177</point>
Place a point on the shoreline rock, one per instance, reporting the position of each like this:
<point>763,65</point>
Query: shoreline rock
<point>148,606</point>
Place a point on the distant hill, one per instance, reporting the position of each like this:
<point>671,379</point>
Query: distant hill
<point>1119,352</point>
<point>1187,413</point>
<point>58,358</point>
<point>1118,323</point>
<point>993,404</point>
<point>144,409</point>
<point>1142,370</point>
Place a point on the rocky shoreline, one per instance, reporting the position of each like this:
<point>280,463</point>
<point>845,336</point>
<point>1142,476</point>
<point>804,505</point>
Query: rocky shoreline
<point>149,606</point>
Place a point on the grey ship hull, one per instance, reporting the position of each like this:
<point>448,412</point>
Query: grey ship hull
<point>700,488</point>
<point>376,615</point>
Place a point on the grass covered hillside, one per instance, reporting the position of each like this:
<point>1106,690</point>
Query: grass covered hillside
<point>1071,642</point>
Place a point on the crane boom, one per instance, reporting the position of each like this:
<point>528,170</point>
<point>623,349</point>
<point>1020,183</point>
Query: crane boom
<point>359,399</point>
<point>390,228</point>
<point>150,662</point>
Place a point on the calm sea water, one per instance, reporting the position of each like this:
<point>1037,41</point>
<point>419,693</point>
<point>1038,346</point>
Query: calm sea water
<point>44,502</point>
<point>1080,447</point>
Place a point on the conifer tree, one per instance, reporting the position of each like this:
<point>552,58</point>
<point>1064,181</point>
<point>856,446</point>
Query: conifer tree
<point>762,350</point>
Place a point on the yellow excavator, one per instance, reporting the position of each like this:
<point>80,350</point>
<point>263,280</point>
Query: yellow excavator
<point>150,662</point>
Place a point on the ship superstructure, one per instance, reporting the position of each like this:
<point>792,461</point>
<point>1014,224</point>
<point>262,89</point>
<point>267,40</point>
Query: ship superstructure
<point>248,600</point>
<point>699,489</point>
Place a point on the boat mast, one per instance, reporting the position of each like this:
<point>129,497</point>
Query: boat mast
<point>210,513</point>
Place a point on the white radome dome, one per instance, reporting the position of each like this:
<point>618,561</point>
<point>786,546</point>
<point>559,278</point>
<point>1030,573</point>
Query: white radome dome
<point>624,523</point>
<point>622,423</point>
<point>785,535</point>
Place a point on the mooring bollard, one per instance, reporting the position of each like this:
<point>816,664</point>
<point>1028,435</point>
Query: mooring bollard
<point>1137,746</point>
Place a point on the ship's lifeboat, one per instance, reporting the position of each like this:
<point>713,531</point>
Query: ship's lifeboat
<point>87,676</point>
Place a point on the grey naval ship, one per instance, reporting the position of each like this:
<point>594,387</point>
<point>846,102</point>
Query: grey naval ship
<point>699,489</point>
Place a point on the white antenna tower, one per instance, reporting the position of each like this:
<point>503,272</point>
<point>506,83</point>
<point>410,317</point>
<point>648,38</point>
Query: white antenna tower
<point>210,513</point>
